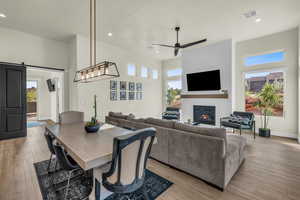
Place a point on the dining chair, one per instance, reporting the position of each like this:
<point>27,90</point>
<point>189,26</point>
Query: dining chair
<point>50,139</point>
<point>69,117</point>
<point>66,163</point>
<point>126,173</point>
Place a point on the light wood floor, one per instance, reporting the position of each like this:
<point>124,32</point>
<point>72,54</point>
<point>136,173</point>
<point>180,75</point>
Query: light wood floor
<point>271,172</point>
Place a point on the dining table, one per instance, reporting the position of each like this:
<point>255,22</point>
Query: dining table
<point>89,150</point>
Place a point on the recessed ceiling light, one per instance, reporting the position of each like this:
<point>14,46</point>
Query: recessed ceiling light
<point>109,34</point>
<point>258,20</point>
<point>2,15</point>
<point>157,51</point>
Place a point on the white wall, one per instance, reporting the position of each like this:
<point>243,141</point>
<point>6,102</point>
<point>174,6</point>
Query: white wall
<point>18,47</point>
<point>298,84</point>
<point>151,105</point>
<point>286,126</point>
<point>216,56</point>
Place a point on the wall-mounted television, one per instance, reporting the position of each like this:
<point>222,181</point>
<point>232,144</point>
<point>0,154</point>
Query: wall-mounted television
<point>204,81</point>
<point>51,85</point>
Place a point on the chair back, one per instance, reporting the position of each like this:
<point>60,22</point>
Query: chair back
<point>63,159</point>
<point>248,115</point>
<point>172,109</point>
<point>50,139</point>
<point>69,117</point>
<point>130,154</point>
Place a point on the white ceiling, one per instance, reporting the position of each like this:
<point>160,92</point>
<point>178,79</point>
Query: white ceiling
<point>136,24</point>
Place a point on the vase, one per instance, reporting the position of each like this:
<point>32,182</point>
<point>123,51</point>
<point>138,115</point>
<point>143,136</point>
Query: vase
<point>92,129</point>
<point>264,132</point>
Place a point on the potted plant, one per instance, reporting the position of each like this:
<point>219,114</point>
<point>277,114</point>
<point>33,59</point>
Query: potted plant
<point>267,99</point>
<point>93,125</point>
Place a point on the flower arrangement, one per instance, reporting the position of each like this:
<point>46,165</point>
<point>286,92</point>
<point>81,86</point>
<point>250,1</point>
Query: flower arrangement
<point>93,125</point>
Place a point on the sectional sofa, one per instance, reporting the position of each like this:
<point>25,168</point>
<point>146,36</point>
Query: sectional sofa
<point>207,153</point>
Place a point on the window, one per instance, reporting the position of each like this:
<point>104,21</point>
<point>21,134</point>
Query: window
<point>174,72</point>
<point>154,74</point>
<point>173,93</point>
<point>144,72</point>
<point>264,59</point>
<point>131,69</point>
<point>254,84</point>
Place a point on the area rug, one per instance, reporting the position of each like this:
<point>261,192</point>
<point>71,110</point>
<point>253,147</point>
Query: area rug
<point>52,184</point>
<point>31,124</point>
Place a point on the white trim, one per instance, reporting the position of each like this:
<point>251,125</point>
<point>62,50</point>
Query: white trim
<point>284,134</point>
<point>44,118</point>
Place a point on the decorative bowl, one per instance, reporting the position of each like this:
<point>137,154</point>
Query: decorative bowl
<point>92,129</point>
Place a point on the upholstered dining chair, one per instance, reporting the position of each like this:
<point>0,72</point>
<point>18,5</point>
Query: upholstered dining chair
<point>129,159</point>
<point>69,117</point>
<point>50,139</point>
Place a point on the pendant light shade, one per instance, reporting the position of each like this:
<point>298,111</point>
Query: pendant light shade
<point>99,71</point>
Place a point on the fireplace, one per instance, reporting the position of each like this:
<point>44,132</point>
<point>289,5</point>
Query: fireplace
<point>204,114</point>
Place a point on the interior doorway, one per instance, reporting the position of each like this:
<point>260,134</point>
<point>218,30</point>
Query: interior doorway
<point>45,90</point>
<point>32,97</point>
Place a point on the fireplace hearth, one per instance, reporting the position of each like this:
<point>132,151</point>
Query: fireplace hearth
<point>204,114</point>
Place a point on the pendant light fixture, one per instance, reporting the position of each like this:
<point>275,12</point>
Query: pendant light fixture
<point>96,71</point>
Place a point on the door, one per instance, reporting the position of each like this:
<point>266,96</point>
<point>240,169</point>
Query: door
<point>13,101</point>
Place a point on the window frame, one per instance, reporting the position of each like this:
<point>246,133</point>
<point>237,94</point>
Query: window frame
<point>154,70</point>
<point>147,72</point>
<point>244,58</point>
<point>173,69</point>
<point>135,69</point>
<point>270,70</point>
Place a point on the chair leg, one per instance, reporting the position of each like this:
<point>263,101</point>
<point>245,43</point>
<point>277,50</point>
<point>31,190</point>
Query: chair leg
<point>49,164</point>
<point>240,131</point>
<point>68,185</point>
<point>55,165</point>
<point>254,132</point>
<point>145,193</point>
<point>97,189</point>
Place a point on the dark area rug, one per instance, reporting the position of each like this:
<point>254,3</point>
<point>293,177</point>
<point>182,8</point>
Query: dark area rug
<point>53,184</point>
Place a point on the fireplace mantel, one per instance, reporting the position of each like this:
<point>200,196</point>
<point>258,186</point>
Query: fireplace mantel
<point>205,96</point>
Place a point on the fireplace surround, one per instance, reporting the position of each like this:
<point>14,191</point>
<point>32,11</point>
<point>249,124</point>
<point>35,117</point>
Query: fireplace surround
<point>204,114</point>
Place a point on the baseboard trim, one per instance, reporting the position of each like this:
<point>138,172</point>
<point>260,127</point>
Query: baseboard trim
<point>286,134</point>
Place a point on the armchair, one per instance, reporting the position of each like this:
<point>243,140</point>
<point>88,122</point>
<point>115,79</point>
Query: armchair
<point>240,121</point>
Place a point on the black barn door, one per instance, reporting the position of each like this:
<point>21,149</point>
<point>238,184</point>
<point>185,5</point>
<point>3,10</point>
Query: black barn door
<point>12,101</point>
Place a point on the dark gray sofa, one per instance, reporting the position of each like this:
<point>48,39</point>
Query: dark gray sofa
<point>207,153</point>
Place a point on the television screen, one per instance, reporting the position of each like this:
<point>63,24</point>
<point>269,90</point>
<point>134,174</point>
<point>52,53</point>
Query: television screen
<point>51,86</point>
<point>204,81</point>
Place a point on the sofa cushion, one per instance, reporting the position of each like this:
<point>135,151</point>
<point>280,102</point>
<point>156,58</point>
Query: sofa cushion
<point>117,115</point>
<point>214,132</point>
<point>160,122</point>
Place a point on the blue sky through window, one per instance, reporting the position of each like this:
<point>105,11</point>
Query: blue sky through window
<point>174,72</point>
<point>31,84</point>
<point>265,58</point>
<point>174,84</point>
<point>131,70</point>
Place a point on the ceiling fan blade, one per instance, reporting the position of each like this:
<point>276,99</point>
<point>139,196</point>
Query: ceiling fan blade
<point>164,45</point>
<point>193,43</point>
<point>176,51</point>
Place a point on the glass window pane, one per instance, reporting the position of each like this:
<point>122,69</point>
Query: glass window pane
<point>173,94</point>
<point>271,82</point>
<point>131,70</point>
<point>264,59</point>
<point>144,72</point>
<point>154,74</point>
<point>174,72</point>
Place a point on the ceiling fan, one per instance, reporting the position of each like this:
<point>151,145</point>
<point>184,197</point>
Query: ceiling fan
<point>177,45</point>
